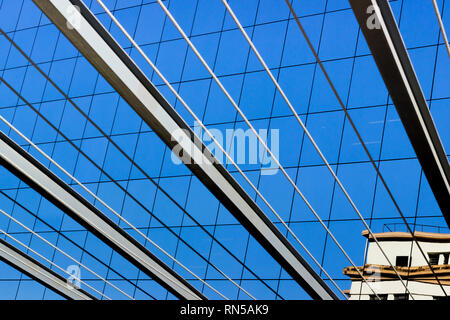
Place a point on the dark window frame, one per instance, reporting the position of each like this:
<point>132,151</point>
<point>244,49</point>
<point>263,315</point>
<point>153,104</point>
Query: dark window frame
<point>402,261</point>
<point>401,296</point>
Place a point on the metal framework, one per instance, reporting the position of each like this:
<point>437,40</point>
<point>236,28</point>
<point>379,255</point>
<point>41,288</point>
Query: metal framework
<point>383,36</point>
<point>441,26</point>
<point>37,271</point>
<point>107,56</point>
<point>25,167</point>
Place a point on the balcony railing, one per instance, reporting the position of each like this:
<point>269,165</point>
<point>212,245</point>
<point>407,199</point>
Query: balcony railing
<point>393,227</point>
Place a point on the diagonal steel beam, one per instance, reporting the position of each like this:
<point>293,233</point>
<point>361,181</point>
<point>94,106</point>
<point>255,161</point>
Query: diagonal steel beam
<point>98,46</point>
<point>383,36</point>
<point>37,271</point>
<point>25,167</point>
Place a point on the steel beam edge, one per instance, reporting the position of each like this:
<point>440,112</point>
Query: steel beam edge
<point>32,172</point>
<point>40,273</point>
<point>378,24</point>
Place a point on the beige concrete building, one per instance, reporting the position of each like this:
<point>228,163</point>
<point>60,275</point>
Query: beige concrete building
<point>410,264</point>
